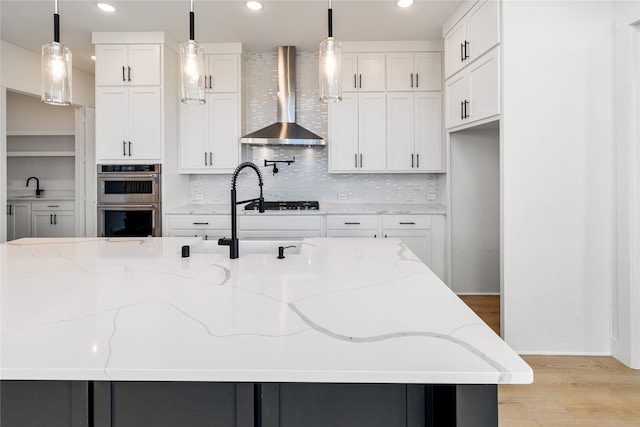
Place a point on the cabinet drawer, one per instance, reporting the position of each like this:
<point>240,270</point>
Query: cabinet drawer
<point>352,222</point>
<point>200,222</point>
<point>280,222</point>
<point>406,222</point>
<point>53,206</point>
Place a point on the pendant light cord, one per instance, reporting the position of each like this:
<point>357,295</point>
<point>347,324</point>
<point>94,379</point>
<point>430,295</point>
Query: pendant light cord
<point>330,20</point>
<point>192,24</point>
<point>56,22</point>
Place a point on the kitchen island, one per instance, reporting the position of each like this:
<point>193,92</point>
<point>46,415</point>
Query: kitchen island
<point>348,332</point>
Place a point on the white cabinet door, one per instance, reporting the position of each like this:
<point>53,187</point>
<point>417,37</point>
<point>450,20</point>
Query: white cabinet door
<point>18,220</point>
<point>372,132</point>
<point>484,87</point>
<point>343,131</point>
<point>400,74</point>
<point>144,65</point>
<point>65,224</point>
<point>222,73</point>
<point>418,242</point>
<point>483,27</point>
<point>145,121</point>
<point>349,72</point>
<point>224,131</point>
<point>427,69</point>
<point>456,94</point>
<point>112,122</point>
<point>118,65</point>
<point>429,143</point>
<point>42,224</point>
<point>371,72</point>
<point>400,132</point>
<point>195,155</point>
<point>454,48</point>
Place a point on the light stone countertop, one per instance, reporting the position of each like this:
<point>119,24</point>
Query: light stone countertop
<point>47,195</point>
<point>325,209</point>
<point>343,310</point>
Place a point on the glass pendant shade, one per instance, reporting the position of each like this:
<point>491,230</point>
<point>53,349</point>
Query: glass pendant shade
<point>192,72</point>
<point>330,70</point>
<point>56,74</point>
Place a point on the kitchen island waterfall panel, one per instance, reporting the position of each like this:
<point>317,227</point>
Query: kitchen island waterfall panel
<point>341,311</point>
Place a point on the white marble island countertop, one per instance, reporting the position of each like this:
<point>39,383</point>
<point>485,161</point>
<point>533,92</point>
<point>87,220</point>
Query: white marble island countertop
<point>342,311</point>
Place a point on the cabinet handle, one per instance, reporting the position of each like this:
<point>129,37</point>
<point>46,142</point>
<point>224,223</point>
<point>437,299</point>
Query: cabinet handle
<point>205,158</point>
<point>129,74</point>
<point>206,236</point>
<point>417,84</point>
<point>466,113</point>
<point>129,148</point>
<point>9,206</point>
<point>412,161</point>
<point>123,78</point>
<point>466,54</point>
<point>210,82</point>
<point>124,148</point>
<point>360,81</point>
<point>418,161</point>
<point>200,223</point>
<point>407,223</point>
<point>461,52</point>
<point>461,109</point>
<point>355,81</point>
<point>53,206</point>
<point>411,79</point>
<point>375,236</point>
<point>356,159</point>
<point>360,160</point>
<point>351,223</point>
<point>55,219</point>
<point>210,158</point>
<point>50,219</point>
<point>385,236</point>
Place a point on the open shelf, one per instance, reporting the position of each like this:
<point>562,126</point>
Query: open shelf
<point>40,133</point>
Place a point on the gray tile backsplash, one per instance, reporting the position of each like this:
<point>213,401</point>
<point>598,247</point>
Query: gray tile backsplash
<point>308,177</point>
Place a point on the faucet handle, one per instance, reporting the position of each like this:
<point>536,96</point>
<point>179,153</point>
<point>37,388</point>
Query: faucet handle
<point>261,204</point>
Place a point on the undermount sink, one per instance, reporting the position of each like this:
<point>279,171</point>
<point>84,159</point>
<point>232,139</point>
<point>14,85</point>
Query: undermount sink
<point>248,247</point>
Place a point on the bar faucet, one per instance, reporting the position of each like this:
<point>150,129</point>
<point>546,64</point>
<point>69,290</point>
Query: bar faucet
<point>38,189</point>
<point>233,241</point>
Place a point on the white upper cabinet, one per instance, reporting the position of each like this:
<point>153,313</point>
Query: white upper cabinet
<point>221,72</point>
<point>414,132</point>
<point>471,37</point>
<point>474,93</point>
<point>357,132</point>
<point>363,72</point>
<point>408,71</point>
<point>135,65</point>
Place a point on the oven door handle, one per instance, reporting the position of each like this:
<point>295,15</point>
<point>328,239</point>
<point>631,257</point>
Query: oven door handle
<point>127,176</point>
<point>127,205</point>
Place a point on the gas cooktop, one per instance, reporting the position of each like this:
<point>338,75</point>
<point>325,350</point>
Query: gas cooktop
<point>285,206</point>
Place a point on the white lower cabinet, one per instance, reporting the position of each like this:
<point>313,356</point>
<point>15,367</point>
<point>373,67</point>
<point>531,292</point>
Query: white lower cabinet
<point>280,226</point>
<point>353,226</point>
<point>53,219</point>
<point>208,227</point>
<point>18,220</point>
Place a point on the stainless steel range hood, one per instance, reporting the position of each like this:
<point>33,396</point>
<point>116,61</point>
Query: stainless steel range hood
<point>285,131</point>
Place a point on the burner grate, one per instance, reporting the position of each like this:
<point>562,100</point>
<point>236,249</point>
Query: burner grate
<point>285,206</point>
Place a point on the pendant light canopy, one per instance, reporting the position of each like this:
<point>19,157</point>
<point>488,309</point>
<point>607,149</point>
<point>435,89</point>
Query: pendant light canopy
<point>330,66</point>
<point>192,67</point>
<point>56,67</point>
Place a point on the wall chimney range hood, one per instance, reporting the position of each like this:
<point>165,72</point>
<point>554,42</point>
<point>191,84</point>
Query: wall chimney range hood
<point>285,131</point>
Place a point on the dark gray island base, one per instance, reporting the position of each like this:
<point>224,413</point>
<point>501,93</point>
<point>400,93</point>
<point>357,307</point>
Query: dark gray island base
<point>198,404</point>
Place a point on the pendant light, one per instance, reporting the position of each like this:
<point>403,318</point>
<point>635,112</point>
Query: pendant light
<point>330,66</point>
<point>56,67</point>
<point>192,67</point>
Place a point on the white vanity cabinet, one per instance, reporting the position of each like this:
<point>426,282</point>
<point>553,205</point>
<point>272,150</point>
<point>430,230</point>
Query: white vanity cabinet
<point>127,65</point>
<point>18,220</point>
<point>53,219</point>
<point>414,132</point>
<point>363,72</point>
<point>476,33</point>
<point>208,227</point>
<point>357,131</point>
<point>419,71</point>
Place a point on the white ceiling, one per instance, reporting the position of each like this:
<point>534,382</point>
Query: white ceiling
<point>303,23</point>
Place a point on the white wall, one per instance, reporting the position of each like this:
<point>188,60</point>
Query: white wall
<point>21,72</point>
<point>625,328</point>
<point>557,166</point>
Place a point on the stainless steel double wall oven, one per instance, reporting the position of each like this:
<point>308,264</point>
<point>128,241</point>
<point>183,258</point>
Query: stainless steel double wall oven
<point>129,203</point>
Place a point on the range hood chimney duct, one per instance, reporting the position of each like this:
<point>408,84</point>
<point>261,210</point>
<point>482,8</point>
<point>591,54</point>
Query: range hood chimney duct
<point>285,131</point>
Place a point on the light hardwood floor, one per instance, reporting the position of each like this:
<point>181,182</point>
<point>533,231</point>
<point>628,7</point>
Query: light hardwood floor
<point>567,390</point>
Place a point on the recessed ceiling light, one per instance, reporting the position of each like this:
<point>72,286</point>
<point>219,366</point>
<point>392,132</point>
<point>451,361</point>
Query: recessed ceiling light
<point>405,3</point>
<point>106,7</point>
<point>93,57</point>
<point>254,5</point>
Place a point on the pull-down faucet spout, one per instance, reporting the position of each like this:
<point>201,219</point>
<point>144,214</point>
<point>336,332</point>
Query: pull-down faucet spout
<point>233,241</point>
